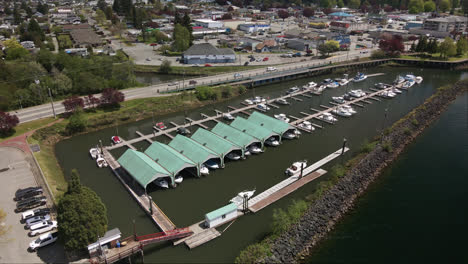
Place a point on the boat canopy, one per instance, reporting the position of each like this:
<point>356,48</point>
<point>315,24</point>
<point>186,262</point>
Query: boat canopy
<point>141,167</point>
<point>269,122</point>
<point>214,142</point>
<point>192,149</point>
<point>169,158</point>
<point>259,132</point>
<point>234,135</point>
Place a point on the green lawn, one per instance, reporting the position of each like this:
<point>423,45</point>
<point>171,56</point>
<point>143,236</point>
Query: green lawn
<point>25,127</point>
<point>436,56</point>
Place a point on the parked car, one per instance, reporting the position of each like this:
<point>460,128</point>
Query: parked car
<point>148,59</point>
<point>298,54</point>
<point>192,82</point>
<point>36,212</point>
<point>237,75</point>
<point>265,59</point>
<point>207,65</point>
<point>246,63</point>
<point>287,55</point>
<point>42,227</point>
<point>43,240</point>
<point>252,59</point>
<point>251,56</point>
<point>258,60</point>
<point>27,193</point>
<point>270,69</point>
<point>37,219</point>
<point>30,203</point>
<point>172,83</point>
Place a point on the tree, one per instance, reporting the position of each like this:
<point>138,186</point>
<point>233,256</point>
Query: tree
<point>7,123</point>
<point>81,216</point>
<point>429,6</point>
<point>91,101</point>
<point>462,46</point>
<point>465,6</point>
<point>354,4</point>
<point>100,16</point>
<point>73,103</point>
<point>416,6</point>
<point>328,47</point>
<point>392,46</point>
<point>447,48</point>
<point>62,84</point>
<point>43,8</point>
<point>444,5</point>
<point>159,36</point>
<point>111,97</point>
<point>181,38</point>
<point>340,3</point>
<point>165,67</point>
<point>283,14</point>
<point>101,4</point>
<point>422,44</point>
<point>308,12</point>
<point>432,46</point>
<point>16,16</point>
<point>76,122</point>
<point>187,23</point>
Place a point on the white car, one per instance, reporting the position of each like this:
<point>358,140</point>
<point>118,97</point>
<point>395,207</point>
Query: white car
<point>42,227</point>
<point>173,83</point>
<point>43,240</point>
<point>31,221</point>
<point>237,75</point>
<point>270,69</point>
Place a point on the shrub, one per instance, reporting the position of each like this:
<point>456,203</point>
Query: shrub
<point>7,123</point>
<point>415,122</point>
<point>407,131</point>
<point>253,253</point>
<point>387,147</point>
<point>378,54</point>
<point>77,122</point>
<point>165,67</point>
<point>338,171</point>
<point>226,91</point>
<point>242,89</point>
<point>205,93</point>
<point>367,147</point>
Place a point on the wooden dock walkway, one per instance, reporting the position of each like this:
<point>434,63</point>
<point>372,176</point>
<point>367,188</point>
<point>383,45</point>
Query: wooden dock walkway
<point>145,136</point>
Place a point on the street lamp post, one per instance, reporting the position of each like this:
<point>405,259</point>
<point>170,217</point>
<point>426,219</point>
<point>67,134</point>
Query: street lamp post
<point>52,102</point>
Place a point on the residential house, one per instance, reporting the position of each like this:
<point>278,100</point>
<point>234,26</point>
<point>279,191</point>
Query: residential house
<point>347,26</point>
<point>266,46</point>
<point>207,53</point>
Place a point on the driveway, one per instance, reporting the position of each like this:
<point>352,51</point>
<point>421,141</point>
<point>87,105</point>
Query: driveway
<point>20,174</point>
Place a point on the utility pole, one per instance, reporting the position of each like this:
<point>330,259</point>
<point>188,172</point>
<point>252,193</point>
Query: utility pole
<point>52,103</point>
<point>344,146</point>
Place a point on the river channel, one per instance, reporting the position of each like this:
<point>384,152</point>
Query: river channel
<point>193,198</point>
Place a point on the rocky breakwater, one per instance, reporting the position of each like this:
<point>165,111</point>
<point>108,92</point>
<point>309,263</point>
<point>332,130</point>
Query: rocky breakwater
<point>324,212</point>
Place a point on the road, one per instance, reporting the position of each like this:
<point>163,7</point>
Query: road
<point>45,110</point>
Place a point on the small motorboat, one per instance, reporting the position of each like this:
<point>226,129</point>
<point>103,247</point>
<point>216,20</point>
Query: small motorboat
<point>233,156</point>
<point>101,162</point>
<point>204,170</point>
<point>342,81</point>
<point>396,90</point>
<point>296,167</point>
<point>338,99</point>
<point>347,97</point>
<point>328,117</point>
<point>349,109</point>
<point>254,149</point>
<point>357,93</point>
<point>183,131</point>
<point>327,82</point>
<point>263,107</point>
<point>341,112</point>
<point>228,116</point>
<point>159,126</point>
<point>380,85</point>
<point>258,99</point>
<point>387,94</point>
<point>239,198</point>
<point>293,90</point>
<point>282,117</point>
<point>289,135</point>
<point>211,164</point>
<point>94,152</point>
<point>333,85</point>
<point>359,77</point>
<point>178,179</point>
<point>162,183</point>
<point>297,132</point>
<point>247,153</point>
<point>418,79</point>
<point>318,89</point>
<point>310,85</point>
<point>281,101</point>
<point>116,140</point>
<point>399,79</point>
<point>271,141</point>
<point>306,125</point>
<point>248,101</point>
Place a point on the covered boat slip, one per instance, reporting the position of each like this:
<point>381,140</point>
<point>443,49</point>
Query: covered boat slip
<point>259,132</point>
<point>142,168</point>
<point>169,158</point>
<point>193,150</point>
<point>234,135</point>
<point>273,124</point>
<point>215,143</point>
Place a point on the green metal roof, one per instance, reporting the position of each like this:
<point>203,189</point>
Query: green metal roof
<point>221,211</point>
<point>168,157</point>
<point>214,142</point>
<point>233,134</point>
<point>256,131</point>
<point>269,122</point>
<point>141,167</point>
<point>191,149</point>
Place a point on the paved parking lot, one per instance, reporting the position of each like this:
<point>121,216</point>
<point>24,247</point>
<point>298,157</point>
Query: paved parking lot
<point>20,175</point>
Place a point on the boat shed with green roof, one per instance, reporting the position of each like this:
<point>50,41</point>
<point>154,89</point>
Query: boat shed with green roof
<point>169,158</point>
<point>234,135</point>
<point>142,168</point>
<point>254,130</point>
<point>214,142</point>
<point>271,123</point>
<point>221,215</point>
<point>192,150</point>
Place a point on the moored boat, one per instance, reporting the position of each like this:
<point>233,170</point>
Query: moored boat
<point>233,156</point>
<point>310,85</point>
<point>282,117</point>
<point>333,85</point>
<point>162,183</point>
<point>293,90</point>
<point>101,162</point>
<point>359,77</point>
<point>94,152</point>
<point>281,101</point>
<point>271,141</point>
<point>349,109</point>
<point>327,117</point>
<point>204,170</point>
<point>338,99</point>
<point>418,79</point>
<point>248,101</point>
<point>341,112</point>
<point>116,139</point>
<point>263,107</point>
<point>306,125</point>
<point>228,116</point>
<point>239,198</point>
<point>178,179</point>
<point>211,164</point>
<point>296,167</point>
<point>254,149</point>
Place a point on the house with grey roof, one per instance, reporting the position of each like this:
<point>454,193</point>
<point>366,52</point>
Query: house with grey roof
<point>207,53</point>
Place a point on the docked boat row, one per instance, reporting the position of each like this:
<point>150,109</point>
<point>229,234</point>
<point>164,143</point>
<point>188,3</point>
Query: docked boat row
<point>255,100</point>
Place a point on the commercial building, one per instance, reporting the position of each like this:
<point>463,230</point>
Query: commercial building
<point>446,24</point>
<point>207,53</point>
<point>347,26</point>
<point>208,23</point>
<point>250,28</point>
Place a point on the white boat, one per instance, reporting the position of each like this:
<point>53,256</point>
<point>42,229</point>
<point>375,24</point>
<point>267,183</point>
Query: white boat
<point>263,107</point>
<point>387,94</point>
<point>306,125</point>
<point>338,99</point>
<point>359,77</point>
<point>228,116</point>
<point>348,97</point>
<point>395,90</point>
<point>418,79</point>
<point>293,90</point>
<point>162,183</point>
<point>342,82</point>
<point>382,86</point>
<point>328,117</point>
<point>210,164</point>
<point>178,179</point>
<point>272,142</point>
<point>101,162</point>
<point>233,156</point>
<point>327,82</point>
<point>310,85</point>
<point>239,198</point>
<point>297,132</point>
<point>248,101</point>
<point>296,167</point>
<point>247,153</point>
<point>281,101</point>
<point>341,112</point>
<point>319,89</point>
<point>94,152</point>
<point>333,85</point>
<point>254,149</point>
<point>289,135</point>
<point>399,80</point>
<point>349,109</point>
<point>204,170</point>
<point>258,99</point>
<point>357,93</point>
<point>282,117</point>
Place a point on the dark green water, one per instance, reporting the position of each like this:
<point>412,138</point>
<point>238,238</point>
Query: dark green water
<point>188,203</point>
<point>418,210</point>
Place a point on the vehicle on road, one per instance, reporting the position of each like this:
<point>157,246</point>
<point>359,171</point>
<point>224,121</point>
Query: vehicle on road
<point>172,83</point>
<point>25,193</point>
<point>192,82</point>
<point>42,227</point>
<point>237,75</point>
<point>207,65</point>
<point>36,212</point>
<point>252,59</point>
<point>298,54</point>
<point>265,59</point>
<point>148,59</point>
<point>270,69</point>
<point>43,240</point>
<point>30,203</point>
<point>246,63</point>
